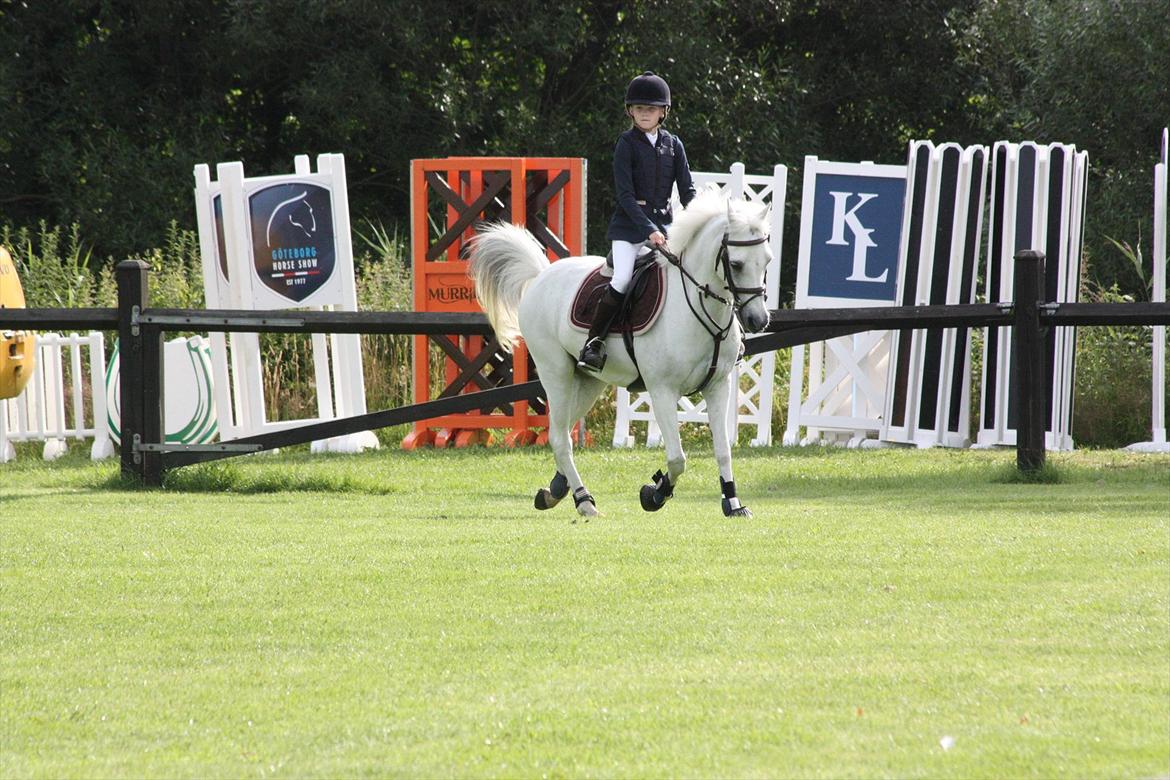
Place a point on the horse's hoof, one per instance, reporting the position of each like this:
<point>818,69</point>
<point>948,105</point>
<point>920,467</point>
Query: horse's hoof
<point>735,509</point>
<point>648,495</point>
<point>587,510</point>
<point>545,499</point>
<point>653,496</point>
<point>586,506</point>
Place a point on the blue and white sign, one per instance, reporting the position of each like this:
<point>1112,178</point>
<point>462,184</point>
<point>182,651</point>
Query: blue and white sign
<point>851,227</point>
<point>285,238</point>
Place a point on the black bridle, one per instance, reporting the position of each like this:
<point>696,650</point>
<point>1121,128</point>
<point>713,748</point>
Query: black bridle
<point>708,322</point>
<point>721,259</point>
<point>735,290</point>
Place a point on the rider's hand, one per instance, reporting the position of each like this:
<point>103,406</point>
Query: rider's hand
<point>657,238</point>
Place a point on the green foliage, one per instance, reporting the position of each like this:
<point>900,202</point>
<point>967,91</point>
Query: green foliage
<point>1136,262</point>
<point>53,265</point>
<point>384,283</point>
<point>111,105</point>
<point>1089,73</point>
<point>176,271</point>
<point>1111,407</point>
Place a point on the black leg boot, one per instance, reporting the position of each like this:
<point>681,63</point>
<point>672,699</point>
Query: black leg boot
<point>593,354</point>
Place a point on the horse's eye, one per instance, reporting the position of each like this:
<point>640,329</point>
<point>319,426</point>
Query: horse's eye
<point>737,265</point>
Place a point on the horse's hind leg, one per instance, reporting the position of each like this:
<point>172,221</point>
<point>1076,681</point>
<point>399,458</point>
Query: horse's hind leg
<point>653,496</point>
<point>570,395</point>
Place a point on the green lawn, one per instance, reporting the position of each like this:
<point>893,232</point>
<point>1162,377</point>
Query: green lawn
<point>410,614</point>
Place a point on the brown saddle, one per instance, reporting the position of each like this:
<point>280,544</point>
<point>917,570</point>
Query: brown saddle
<point>647,292</point>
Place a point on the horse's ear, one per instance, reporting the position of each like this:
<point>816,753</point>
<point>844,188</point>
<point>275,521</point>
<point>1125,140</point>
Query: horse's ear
<point>764,215</point>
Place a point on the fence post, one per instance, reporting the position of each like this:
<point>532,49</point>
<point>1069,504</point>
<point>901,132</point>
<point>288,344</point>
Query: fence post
<point>1028,348</point>
<point>153,431</point>
<point>140,374</point>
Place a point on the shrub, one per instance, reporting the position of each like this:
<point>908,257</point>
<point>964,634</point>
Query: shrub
<point>53,264</point>
<point>1111,405</point>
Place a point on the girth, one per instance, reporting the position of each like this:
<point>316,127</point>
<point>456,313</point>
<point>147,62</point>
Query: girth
<point>638,282</point>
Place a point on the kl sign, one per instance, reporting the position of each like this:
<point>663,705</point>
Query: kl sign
<point>851,226</point>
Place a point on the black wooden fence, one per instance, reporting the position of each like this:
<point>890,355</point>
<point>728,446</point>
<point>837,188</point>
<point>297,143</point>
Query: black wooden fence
<point>140,328</point>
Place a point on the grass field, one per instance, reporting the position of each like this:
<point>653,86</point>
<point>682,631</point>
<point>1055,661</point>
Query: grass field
<point>885,614</point>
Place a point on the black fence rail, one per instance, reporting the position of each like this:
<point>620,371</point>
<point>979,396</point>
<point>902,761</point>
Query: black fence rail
<point>146,456</point>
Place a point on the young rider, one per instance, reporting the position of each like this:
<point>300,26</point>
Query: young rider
<point>647,163</point>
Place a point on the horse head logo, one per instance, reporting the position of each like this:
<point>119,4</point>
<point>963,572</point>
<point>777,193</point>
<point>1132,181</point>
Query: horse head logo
<point>298,212</point>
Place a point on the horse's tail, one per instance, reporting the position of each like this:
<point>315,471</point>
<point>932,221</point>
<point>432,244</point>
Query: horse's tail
<point>504,260</point>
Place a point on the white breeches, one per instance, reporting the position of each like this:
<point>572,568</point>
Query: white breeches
<point>624,255</point>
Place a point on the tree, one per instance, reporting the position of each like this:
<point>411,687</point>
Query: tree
<point>1089,72</point>
<point>110,104</point>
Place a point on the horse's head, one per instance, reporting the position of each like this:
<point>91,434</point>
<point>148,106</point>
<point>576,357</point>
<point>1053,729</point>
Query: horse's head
<point>743,260</point>
<point>735,234</point>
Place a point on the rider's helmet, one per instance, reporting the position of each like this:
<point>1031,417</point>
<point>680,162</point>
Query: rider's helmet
<point>648,90</point>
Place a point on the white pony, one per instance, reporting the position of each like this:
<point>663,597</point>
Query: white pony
<point>714,271</point>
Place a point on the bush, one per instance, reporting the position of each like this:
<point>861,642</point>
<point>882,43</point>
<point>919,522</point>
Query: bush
<point>53,265</point>
<point>1111,404</point>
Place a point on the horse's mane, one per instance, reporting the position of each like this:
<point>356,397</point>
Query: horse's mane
<point>705,217</point>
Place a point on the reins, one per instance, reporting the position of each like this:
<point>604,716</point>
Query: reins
<point>709,323</point>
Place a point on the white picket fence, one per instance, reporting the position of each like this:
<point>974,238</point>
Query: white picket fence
<point>754,375</point>
<point>39,413</point>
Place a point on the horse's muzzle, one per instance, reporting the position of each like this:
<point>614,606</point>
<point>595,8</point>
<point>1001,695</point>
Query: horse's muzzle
<point>755,320</point>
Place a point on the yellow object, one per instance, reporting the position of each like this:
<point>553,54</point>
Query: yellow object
<point>17,348</point>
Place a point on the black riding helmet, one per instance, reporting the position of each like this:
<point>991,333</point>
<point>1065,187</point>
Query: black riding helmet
<point>648,90</point>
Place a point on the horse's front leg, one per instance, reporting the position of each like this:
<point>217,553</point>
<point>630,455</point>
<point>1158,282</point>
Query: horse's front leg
<point>718,396</point>
<point>653,496</point>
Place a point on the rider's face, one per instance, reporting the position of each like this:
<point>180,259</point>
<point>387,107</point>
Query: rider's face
<point>647,117</point>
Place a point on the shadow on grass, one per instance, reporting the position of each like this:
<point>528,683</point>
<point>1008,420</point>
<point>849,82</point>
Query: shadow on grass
<point>220,477</point>
<point>1009,474</point>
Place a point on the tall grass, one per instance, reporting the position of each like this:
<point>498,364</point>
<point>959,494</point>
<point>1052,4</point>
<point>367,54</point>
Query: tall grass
<point>1113,379</point>
<point>55,267</point>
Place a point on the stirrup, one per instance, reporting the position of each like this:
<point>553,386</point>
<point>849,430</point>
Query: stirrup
<point>592,355</point>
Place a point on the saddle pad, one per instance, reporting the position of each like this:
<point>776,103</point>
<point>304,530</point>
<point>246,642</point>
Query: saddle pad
<point>642,314</point>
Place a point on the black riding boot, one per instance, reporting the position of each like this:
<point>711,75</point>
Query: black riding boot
<point>593,353</point>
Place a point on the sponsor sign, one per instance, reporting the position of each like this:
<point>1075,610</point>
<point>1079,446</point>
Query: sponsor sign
<point>293,249</point>
<point>850,234</point>
<point>188,396</point>
<point>450,292</point>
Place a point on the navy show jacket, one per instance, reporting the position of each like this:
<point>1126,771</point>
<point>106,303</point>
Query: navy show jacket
<point>644,176</point>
